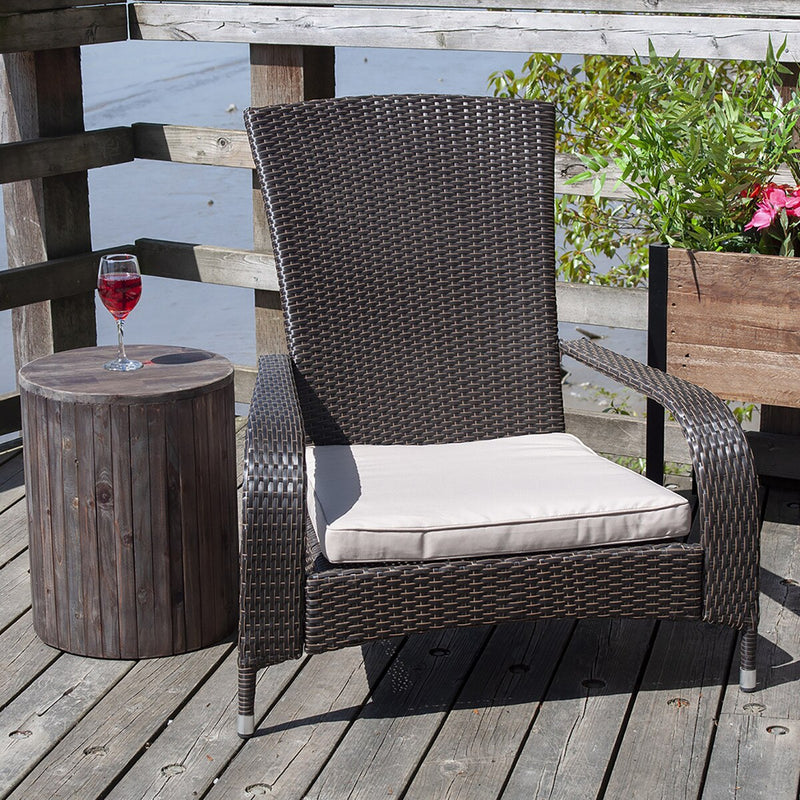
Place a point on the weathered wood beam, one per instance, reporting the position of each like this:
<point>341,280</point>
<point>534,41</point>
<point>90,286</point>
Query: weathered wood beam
<point>68,27</point>
<point>46,218</point>
<point>50,280</point>
<point>194,262</point>
<point>778,8</point>
<point>466,29</point>
<point>602,305</point>
<point>192,145</point>
<point>60,155</point>
<point>21,6</point>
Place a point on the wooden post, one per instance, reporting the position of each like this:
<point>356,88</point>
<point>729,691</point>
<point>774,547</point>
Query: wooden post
<point>46,218</point>
<point>281,74</point>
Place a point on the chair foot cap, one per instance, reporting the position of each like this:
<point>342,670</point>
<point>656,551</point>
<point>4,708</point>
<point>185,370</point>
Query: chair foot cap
<point>245,725</point>
<point>747,680</point>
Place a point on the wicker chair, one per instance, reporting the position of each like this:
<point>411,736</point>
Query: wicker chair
<point>414,239</point>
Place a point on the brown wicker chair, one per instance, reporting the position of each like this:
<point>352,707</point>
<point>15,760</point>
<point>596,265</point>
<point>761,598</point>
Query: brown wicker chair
<point>414,239</point>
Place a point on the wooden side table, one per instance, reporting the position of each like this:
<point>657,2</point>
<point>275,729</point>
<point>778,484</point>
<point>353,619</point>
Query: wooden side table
<point>131,491</point>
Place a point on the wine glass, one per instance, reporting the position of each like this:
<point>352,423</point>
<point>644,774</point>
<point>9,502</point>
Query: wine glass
<point>119,284</point>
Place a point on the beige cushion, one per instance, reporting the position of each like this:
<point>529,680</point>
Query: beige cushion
<point>516,495</point>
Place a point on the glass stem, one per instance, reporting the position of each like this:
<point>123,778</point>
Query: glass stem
<point>120,347</point>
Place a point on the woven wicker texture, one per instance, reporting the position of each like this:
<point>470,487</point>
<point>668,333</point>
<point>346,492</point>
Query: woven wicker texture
<point>406,231</point>
<point>414,240</point>
<point>727,487</point>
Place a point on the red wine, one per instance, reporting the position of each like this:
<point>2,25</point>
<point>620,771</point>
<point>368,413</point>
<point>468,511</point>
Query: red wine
<point>120,292</point>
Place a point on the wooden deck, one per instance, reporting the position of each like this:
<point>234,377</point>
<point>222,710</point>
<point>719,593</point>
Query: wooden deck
<point>559,709</point>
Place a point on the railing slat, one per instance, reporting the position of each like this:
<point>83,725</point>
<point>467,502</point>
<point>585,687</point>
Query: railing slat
<point>602,305</point>
<point>194,262</point>
<point>68,27</point>
<point>192,145</point>
<point>21,6</point>
<point>49,280</point>
<point>744,8</point>
<point>60,155</point>
<point>466,29</point>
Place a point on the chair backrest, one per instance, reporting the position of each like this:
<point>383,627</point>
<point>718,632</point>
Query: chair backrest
<point>414,238</point>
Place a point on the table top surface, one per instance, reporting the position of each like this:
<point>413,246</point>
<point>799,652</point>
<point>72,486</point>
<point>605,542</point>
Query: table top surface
<point>169,373</point>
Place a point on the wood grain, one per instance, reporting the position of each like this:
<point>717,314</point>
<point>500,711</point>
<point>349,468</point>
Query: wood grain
<point>679,696</point>
<point>305,725</point>
<point>572,739</point>
<point>461,29</point>
<point>67,27</point>
<point>710,7</point>
<point>59,155</point>
<point>221,265</point>
<point>733,324</point>
<point>188,756</point>
<point>502,696</point>
<point>132,501</point>
<point>119,725</point>
<point>23,657</point>
<point>48,709</point>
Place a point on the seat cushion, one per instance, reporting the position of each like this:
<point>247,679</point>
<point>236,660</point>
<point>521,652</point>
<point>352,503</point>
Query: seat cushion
<point>520,494</point>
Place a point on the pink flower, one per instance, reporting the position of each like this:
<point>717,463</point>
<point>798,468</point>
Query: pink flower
<point>771,199</point>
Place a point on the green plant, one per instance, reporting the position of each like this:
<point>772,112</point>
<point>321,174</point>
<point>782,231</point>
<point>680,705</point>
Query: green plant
<point>695,146</point>
<point>592,99</point>
<point>689,137</point>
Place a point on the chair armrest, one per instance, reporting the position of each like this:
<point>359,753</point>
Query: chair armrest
<point>727,485</point>
<point>272,562</point>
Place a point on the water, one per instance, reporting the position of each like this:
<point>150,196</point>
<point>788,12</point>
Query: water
<point>207,84</point>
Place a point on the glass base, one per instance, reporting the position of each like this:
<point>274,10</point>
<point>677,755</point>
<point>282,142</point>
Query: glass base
<point>122,365</point>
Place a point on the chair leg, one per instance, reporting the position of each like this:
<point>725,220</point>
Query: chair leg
<point>245,723</point>
<point>747,663</point>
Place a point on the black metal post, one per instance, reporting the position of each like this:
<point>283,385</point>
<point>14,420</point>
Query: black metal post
<point>656,356</point>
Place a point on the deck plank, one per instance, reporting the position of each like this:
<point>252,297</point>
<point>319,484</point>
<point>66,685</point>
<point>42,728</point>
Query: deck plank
<point>383,747</point>
<point>299,734</point>
<point>191,752</point>
<point>757,748</point>
<point>12,481</point>
<point>13,532</point>
<point>47,710</point>
<point>572,740</point>
<point>476,747</point>
<point>15,590</point>
<point>23,657</point>
<point>329,728</point>
<point>662,755</point>
<point>91,757</point>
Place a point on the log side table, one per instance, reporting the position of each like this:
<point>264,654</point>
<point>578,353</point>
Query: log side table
<point>131,492</point>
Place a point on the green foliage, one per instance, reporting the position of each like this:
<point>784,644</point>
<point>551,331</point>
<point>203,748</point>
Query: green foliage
<point>689,137</point>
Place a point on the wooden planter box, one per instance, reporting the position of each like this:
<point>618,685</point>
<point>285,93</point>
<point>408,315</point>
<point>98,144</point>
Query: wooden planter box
<point>733,323</point>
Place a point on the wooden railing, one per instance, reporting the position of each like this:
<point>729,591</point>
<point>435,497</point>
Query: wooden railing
<point>46,152</point>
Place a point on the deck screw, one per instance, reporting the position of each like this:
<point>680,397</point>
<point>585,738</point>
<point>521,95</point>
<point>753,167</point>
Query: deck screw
<point>678,702</point>
<point>793,504</point>
<point>172,769</point>
<point>20,734</point>
<point>593,683</point>
<point>95,750</point>
<point>438,652</point>
<point>517,669</point>
<point>777,730</point>
<point>754,708</point>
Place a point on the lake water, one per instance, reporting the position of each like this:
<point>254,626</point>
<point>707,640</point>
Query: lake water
<point>205,84</point>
